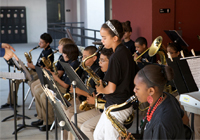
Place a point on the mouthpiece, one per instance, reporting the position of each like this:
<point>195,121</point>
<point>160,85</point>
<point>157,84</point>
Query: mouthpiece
<point>131,99</point>
<point>36,47</point>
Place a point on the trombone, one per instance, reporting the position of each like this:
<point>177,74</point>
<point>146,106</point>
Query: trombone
<point>153,49</point>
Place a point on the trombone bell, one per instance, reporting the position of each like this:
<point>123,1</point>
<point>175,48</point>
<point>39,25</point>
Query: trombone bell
<point>155,46</point>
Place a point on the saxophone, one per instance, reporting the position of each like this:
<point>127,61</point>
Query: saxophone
<point>116,124</point>
<point>92,75</point>
<point>47,62</point>
<point>29,56</point>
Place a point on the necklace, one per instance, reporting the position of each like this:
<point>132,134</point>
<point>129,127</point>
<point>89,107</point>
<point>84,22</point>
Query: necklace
<point>149,115</point>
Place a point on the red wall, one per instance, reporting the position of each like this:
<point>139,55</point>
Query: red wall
<point>138,12</point>
<point>147,21</point>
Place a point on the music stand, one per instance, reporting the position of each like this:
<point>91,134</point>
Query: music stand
<point>175,37</point>
<point>73,76</point>
<point>59,109</point>
<point>14,77</point>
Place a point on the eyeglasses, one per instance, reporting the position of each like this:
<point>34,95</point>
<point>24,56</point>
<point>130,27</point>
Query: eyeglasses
<point>103,60</point>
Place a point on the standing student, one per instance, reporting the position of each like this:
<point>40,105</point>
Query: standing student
<point>128,42</point>
<point>121,71</point>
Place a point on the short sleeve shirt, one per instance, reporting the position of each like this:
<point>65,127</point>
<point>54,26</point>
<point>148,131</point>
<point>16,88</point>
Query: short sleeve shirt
<point>121,71</point>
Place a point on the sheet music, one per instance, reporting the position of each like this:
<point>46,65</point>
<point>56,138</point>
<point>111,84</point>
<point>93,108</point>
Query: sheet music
<point>9,75</point>
<point>195,69</point>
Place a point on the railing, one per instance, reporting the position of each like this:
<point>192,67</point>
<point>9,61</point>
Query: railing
<point>78,32</point>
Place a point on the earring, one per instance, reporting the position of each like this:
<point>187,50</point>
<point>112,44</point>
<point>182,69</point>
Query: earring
<point>150,99</point>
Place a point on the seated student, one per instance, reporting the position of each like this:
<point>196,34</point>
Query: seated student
<point>141,46</point>
<point>164,116</point>
<point>87,120</point>
<point>128,42</point>
<point>121,71</point>
<point>174,50</point>
<point>82,95</point>
<point>45,41</point>
<point>38,91</point>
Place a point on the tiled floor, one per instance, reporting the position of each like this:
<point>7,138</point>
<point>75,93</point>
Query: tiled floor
<point>7,127</point>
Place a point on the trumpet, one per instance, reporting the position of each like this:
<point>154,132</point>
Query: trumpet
<point>29,56</point>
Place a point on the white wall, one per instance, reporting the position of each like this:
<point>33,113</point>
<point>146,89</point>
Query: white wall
<point>36,16</point>
<point>91,12</point>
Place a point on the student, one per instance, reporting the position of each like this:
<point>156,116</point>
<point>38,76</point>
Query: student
<point>128,42</point>
<point>45,41</point>
<point>87,120</point>
<point>164,116</point>
<point>141,46</point>
<point>174,50</point>
<point>40,100</point>
<point>6,51</point>
<point>121,71</point>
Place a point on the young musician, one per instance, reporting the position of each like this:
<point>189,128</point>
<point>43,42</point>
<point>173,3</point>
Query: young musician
<point>164,116</point>
<point>40,100</point>
<point>45,41</point>
<point>141,46</point>
<point>128,42</point>
<point>88,120</point>
<point>174,49</point>
<point>82,95</point>
<point>121,71</point>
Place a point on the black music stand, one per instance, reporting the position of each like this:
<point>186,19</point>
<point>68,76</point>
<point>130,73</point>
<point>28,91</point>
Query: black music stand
<point>47,79</point>
<point>61,116</point>
<point>28,76</point>
<point>73,76</point>
<point>175,37</point>
<point>183,80</point>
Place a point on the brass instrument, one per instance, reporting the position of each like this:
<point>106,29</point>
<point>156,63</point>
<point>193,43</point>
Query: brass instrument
<point>135,53</point>
<point>29,56</point>
<point>54,67</point>
<point>84,105</point>
<point>116,124</point>
<point>154,48</point>
<point>47,62</point>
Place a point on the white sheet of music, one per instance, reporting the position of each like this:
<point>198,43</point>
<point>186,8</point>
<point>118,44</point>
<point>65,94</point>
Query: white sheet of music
<point>9,75</point>
<point>195,69</point>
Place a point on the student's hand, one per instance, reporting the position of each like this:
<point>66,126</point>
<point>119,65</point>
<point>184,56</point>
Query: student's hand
<point>78,90</point>
<point>55,77</point>
<point>90,99</point>
<point>99,88</point>
<point>135,56</point>
<point>5,45</point>
<point>30,65</point>
<point>48,70</point>
<point>9,54</point>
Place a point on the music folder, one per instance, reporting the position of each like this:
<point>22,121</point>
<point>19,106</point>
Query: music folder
<point>175,37</point>
<point>73,76</point>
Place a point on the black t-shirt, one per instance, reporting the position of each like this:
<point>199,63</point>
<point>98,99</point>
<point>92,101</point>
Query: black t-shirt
<point>121,71</point>
<point>150,59</point>
<point>166,122</point>
<point>130,45</point>
<point>47,51</point>
<point>59,66</point>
